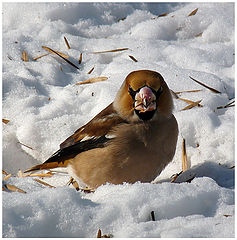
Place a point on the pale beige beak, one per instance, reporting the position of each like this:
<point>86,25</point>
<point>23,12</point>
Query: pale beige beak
<point>145,100</point>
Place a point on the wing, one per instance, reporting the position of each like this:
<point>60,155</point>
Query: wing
<point>95,134</point>
<point>99,126</point>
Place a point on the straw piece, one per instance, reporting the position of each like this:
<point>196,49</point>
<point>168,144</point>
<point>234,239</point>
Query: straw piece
<point>91,70</point>
<point>48,174</point>
<point>7,177</point>
<point>199,35</point>
<point>174,94</point>
<point>80,59</point>
<point>93,80</point>
<point>190,102</point>
<point>109,51</point>
<point>60,55</point>
<point>163,15</point>
<point>192,105</point>
<point>4,172</point>
<point>153,216</point>
<point>5,121</point>
<point>55,52</point>
<point>188,91</point>
<point>133,58</point>
<point>204,85</point>
<point>99,234</point>
<point>193,12</point>
<point>20,173</point>
<point>24,56</point>
<point>26,145</point>
<point>66,41</point>
<point>227,105</point>
<point>44,183</point>
<point>40,56</point>
<point>184,157</point>
<point>13,188</point>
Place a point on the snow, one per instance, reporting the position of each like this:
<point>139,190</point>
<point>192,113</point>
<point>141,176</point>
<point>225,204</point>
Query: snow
<point>45,107</point>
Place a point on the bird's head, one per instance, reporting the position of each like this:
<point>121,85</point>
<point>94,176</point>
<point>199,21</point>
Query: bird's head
<point>143,96</point>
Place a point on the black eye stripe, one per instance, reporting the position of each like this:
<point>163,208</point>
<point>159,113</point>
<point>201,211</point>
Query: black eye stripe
<point>133,92</point>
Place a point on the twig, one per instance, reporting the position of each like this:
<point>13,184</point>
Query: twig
<point>50,50</point>
<point>93,80</point>
<point>109,51</point>
<point>133,58</point>
<point>91,70</point>
<point>13,188</point>
<point>192,105</point>
<point>153,216</point>
<point>193,12</point>
<point>184,157</point>
<point>44,183</point>
<point>68,46</point>
<point>80,59</point>
<point>204,85</point>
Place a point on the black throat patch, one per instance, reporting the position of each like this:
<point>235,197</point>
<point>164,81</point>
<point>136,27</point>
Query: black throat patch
<point>145,116</point>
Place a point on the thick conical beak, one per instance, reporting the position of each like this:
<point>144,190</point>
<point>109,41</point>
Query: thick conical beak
<point>145,100</point>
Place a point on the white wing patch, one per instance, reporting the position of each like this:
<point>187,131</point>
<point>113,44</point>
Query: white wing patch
<point>110,136</point>
<point>87,138</point>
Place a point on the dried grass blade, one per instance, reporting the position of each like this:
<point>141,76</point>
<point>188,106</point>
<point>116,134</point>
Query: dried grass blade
<point>153,216</point>
<point>4,172</point>
<point>26,145</point>
<point>80,59</point>
<point>48,174</point>
<point>44,183</point>
<point>24,56</point>
<point>190,102</point>
<point>163,15</point>
<point>188,91</point>
<point>13,188</point>
<point>174,94</point>
<point>184,157</point>
<point>133,58</point>
<point>40,56</point>
<point>92,80</point>
<point>193,12</point>
<point>192,105</point>
<point>75,185</point>
<point>99,234</point>
<point>20,173</point>
<point>66,41</point>
<point>91,70</point>
<point>7,177</point>
<point>5,121</point>
<point>109,51</point>
<point>174,177</point>
<point>199,35</point>
<point>204,85</point>
<point>55,52</point>
<point>227,105</point>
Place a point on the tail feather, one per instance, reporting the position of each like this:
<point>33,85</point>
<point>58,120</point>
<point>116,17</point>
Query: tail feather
<point>45,166</point>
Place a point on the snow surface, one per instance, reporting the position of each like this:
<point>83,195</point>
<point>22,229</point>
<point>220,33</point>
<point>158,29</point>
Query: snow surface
<point>44,107</point>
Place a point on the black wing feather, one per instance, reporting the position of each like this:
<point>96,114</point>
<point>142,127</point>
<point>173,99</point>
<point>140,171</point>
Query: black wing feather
<point>71,151</point>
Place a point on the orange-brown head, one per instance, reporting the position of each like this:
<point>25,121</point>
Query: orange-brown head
<point>144,96</point>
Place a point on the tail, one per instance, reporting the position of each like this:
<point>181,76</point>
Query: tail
<point>58,159</point>
<point>46,165</point>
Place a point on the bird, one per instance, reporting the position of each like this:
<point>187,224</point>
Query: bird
<point>131,140</point>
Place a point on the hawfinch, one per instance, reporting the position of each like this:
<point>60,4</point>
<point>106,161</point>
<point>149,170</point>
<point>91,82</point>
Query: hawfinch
<point>131,140</point>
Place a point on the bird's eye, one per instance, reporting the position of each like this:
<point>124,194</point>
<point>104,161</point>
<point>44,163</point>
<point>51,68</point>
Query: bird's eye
<point>132,92</point>
<point>158,93</point>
